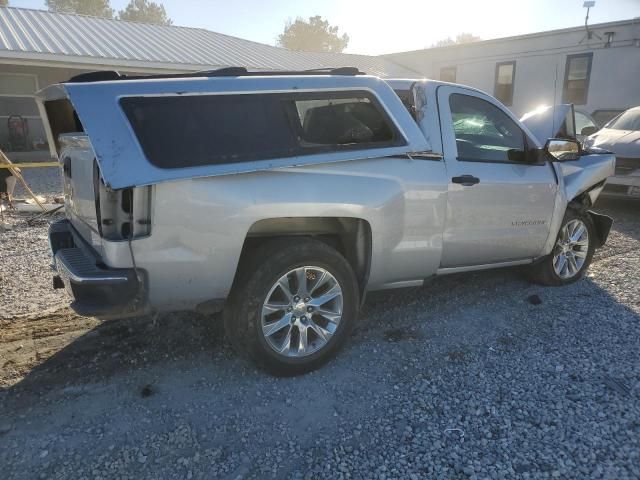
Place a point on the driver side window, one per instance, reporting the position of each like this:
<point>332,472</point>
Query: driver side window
<point>484,133</point>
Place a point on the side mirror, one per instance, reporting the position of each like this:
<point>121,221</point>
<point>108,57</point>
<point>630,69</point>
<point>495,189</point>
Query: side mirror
<point>563,150</point>
<point>586,131</point>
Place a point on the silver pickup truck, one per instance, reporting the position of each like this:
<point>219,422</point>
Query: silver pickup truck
<point>282,198</point>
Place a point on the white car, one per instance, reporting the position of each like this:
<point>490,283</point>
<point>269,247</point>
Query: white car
<point>622,137</point>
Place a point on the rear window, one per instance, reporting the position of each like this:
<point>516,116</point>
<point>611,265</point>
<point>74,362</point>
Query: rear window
<point>186,131</point>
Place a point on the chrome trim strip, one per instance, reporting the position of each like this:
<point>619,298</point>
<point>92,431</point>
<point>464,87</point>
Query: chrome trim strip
<point>472,268</point>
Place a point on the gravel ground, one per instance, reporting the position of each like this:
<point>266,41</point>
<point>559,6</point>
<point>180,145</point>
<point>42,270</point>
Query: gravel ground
<point>472,376</point>
<point>25,277</point>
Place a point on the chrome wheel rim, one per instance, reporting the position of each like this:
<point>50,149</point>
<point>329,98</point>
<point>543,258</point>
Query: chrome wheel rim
<point>572,247</point>
<point>302,311</point>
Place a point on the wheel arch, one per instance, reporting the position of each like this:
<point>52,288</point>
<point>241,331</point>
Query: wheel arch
<point>351,236</point>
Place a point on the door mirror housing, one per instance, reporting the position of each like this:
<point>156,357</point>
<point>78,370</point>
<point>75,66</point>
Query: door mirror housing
<point>562,149</point>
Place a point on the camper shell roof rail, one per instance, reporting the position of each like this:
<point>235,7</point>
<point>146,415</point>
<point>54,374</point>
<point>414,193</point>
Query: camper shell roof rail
<point>111,75</point>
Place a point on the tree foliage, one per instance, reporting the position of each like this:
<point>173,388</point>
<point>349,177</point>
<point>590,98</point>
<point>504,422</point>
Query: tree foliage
<point>460,38</point>
<point>4,3</point>
<point>314,35</point>
<point>96,8</point>
<point>145,11</point>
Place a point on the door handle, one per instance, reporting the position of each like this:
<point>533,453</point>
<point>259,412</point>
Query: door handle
<point>466,180</point>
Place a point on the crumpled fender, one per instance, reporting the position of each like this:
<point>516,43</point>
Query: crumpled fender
<point>581,175</point>
<point>587,174</point>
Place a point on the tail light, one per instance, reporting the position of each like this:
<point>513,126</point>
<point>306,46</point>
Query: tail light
<point>121,214</point>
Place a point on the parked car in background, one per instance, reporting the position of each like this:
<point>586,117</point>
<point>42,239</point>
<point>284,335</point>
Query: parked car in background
<point>282,198</point>
<point>604,116</point>
<point>622,137</point>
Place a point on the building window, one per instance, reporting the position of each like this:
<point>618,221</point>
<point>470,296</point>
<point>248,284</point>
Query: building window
<point>576,78</point>
<point>21,128</point>
<point>505,78</point>
<point>448,74</point>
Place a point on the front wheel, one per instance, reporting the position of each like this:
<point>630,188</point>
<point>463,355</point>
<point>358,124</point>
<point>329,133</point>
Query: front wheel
<point>293,306</point>
<point>572,252</point>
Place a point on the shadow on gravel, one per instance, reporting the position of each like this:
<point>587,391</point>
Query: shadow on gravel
<point>113,347</point>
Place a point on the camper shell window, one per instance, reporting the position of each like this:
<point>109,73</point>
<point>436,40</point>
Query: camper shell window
<point>195,130</point>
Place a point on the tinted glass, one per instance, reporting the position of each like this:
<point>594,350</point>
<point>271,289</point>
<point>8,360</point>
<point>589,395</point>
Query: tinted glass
<point>629,120</point>
<point>505,73</point>
<point>185,131</point>
<point>341,121</point>
<point>576,79</point>
<point>484,132</point>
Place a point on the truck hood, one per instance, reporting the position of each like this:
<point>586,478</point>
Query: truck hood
<point>546,122</point>
<point>624,143</point>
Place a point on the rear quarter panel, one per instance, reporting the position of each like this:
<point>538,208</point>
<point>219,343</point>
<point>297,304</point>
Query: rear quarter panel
<point>199,225</point>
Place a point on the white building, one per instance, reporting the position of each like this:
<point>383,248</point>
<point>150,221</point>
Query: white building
<point>598,72</point>
<point>37,48</point>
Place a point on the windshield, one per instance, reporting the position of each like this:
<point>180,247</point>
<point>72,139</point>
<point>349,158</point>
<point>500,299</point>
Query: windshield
<point>629,120</point>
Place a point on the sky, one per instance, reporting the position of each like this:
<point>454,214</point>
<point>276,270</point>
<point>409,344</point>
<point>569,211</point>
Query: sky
<point>385,27</point>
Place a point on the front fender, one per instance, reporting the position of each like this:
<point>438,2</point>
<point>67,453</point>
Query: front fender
<point>581,175</point>
<point>587,174</point>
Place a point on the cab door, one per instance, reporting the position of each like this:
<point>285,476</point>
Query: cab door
<point>500,194</point>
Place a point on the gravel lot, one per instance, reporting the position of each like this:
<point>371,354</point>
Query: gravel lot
<point>471,376</point>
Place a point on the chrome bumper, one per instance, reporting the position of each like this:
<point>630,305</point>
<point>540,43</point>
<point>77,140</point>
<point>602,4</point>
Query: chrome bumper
<point>96,289</point>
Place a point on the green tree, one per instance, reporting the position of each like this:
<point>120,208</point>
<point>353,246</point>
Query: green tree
<point>145,11</point>
<point>460,38</point>
<point>97,8</point>
<point>4,3</point>
<point>315,35</point>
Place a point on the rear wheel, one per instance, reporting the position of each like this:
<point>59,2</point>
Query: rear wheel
<point>293,305</point>
<point>572,252</point>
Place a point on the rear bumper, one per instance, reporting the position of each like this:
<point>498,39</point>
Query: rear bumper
<point>96,289</point>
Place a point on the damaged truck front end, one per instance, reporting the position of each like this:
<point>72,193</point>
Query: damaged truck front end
<point>581,172</point>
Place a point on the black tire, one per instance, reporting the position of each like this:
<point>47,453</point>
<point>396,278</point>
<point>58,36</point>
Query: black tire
<point>543,272</point>
<point>258,272</point>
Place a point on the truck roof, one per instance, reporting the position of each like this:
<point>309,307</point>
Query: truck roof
<point>111,75</point>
